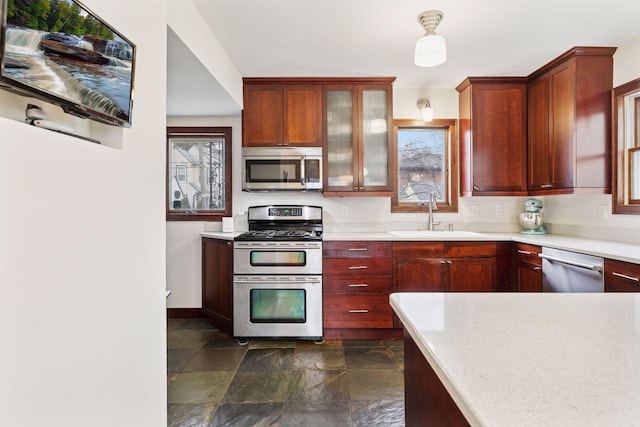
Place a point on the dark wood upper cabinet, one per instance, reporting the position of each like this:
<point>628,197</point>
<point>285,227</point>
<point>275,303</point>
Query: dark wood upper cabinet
<point>493,136</point>
<point>569,123</point>
<point>281,112</point>
<point>357,148</point>
<point>548,133</point>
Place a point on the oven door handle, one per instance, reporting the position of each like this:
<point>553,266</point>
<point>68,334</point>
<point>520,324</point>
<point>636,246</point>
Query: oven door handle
<point>293,281</point>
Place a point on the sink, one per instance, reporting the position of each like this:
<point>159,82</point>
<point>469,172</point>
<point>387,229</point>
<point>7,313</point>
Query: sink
<point>435,234</point>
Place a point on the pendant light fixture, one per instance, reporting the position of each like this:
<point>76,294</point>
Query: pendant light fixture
<point>431,49</point>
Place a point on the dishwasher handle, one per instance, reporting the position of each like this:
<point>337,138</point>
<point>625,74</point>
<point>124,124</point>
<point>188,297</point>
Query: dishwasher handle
<point>569,262</point>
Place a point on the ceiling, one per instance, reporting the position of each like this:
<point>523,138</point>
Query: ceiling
<point>377,37</point>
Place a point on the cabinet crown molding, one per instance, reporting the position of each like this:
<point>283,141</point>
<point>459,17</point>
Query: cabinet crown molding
<point>318,80</point>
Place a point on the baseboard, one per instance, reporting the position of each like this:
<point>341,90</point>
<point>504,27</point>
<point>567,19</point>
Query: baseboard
<point>184,313</point>
<point>363,334</point>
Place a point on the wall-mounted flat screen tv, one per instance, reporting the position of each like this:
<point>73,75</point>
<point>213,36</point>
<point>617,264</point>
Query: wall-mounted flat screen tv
<point>61,52</point>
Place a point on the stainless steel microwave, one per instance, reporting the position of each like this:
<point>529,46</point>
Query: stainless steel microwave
<point>282,168</point>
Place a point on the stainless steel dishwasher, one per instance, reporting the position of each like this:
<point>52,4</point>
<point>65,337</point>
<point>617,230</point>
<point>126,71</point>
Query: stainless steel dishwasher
<point>564,271</point>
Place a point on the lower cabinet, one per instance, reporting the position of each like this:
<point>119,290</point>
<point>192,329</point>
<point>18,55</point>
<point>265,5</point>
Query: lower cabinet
<point>528,267</point>
<point>419,267</point>
<point>217,283</point>
<point>356,286</point>
<point>621,276</point>
<point>472,266</point>
<point>444,266</point>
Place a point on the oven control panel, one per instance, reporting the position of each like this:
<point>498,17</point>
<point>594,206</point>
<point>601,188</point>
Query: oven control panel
<point>288,211</point>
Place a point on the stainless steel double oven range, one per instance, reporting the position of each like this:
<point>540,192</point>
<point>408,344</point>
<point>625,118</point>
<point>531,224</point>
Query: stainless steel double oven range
<point>277,274</point>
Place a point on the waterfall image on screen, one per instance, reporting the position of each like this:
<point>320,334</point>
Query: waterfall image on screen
<point>59,48</point>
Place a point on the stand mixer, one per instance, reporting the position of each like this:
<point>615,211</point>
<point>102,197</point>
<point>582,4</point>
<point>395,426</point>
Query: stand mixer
<point>531,219</point>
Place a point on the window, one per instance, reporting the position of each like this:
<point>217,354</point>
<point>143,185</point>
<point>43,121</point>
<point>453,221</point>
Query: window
<point>198,173</point>
<point>181,173</point>
<point>626,148</point>
<point>426,161</point>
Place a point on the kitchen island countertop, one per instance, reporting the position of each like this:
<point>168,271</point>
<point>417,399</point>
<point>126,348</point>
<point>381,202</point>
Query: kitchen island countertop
<point>511,359</point>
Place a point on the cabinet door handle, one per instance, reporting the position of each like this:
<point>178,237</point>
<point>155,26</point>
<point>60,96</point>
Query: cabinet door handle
<point>358,249</point>
<point>525,252</point>
<point>546,186</point>
<point>443,261</point>
<point>358,285</point>
<point>357,267</point>
<point>537,268</point>
<point>624,276</point>
<point>476,188</point>
<point>228,243</point>
<point>449,262</point>
<point>358,311</point>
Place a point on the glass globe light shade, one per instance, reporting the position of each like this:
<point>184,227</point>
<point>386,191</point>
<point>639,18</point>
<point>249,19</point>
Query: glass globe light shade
<point>431,50</point>
<point>427,114</point>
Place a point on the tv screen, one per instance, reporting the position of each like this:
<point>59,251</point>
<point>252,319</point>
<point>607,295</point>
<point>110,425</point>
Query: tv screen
<point>59,51</point>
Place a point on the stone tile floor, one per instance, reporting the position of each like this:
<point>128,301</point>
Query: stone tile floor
<point>214,381</point>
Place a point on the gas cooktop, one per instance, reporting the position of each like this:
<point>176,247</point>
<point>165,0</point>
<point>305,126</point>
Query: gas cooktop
<point>283,222</point>
<point>280,235</point>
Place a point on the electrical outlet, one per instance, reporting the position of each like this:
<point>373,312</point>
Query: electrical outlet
<point>602,211</point>
<point>344,211</point>
<point>472,210</point>
<point>499,210</point>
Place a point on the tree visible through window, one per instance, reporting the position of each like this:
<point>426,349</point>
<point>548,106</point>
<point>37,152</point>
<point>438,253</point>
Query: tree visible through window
<point>199,173</point>
<point>426,162</point>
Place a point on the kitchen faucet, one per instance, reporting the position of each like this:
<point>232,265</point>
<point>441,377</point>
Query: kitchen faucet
<point>432,207</point>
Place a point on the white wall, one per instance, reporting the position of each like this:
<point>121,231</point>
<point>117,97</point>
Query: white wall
<point>82,257</point>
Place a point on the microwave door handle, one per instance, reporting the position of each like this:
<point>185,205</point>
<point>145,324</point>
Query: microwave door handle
<point>303,180</point>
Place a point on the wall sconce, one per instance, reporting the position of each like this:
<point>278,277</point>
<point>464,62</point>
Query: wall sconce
<point>431,49</point>
<point>427,110</point>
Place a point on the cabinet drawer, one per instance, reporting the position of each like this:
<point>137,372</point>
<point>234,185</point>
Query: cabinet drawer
<point>362,249</point>
<point>357,311</point>
<point>356,284</point>
<point>357,267</point>
<point>469,249</point>
<point>418,249</point>
<point>621,276</point>
<point>529,253</point>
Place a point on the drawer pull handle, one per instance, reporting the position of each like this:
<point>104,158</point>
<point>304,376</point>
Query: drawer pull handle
<point>358,285</point>
<point>537,268</point>
<point>358,249</point>
<point>358,311</point>
<point>624,276</point>
<point>524,252</point>
<point>357,267</point>
<point>546,186</point>
<point>442,261</point>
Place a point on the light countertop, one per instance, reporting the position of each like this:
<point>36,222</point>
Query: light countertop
<point>510,359</point>
<point>603,248</point>
<point>221,235</point>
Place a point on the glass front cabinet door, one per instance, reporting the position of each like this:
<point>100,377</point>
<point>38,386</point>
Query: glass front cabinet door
<point>357,139</point>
